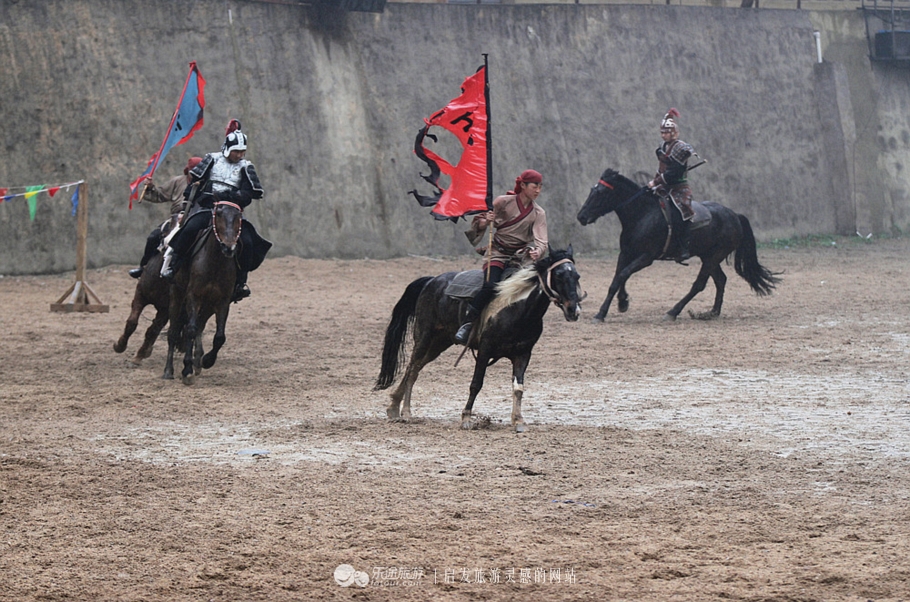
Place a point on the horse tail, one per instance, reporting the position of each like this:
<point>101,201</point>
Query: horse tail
<point>761,279</point>
<point>402,319</point>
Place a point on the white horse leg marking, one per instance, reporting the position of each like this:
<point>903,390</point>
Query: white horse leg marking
<point>517,392</point>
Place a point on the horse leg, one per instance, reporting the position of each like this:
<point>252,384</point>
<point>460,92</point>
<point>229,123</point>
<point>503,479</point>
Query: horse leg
<point>198,352</point>
<point>622,299</point>
<point>131,323</point>
<point>480,371</point>
<point>218,341</point>
<point>697,287</point>
<point>151,335</point>
<point>189,337</point>
<point>519,365</point>
<point>624,270</point>
<point>425,351</point>
<point>173,336</point>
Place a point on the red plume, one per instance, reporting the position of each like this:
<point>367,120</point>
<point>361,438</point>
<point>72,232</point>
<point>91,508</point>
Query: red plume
<point>234,125</point>
<point>672,113</point>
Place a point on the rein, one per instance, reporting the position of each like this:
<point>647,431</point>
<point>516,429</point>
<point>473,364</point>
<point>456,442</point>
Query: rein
<point>547,287</point>
<point>215,226</point>
<point>640,192</point>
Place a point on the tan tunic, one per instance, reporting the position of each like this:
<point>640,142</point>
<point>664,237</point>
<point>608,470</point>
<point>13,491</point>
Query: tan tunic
<point>512,241</point>
<point>169,192</point>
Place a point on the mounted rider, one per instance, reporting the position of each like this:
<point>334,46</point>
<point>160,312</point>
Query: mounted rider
<point>671,177</point>
<point>520,238</point>
<point>169,192</point>
<point>223,176</point>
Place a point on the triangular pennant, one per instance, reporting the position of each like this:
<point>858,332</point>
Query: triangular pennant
<point>30,192</point>
<point>53,190</point>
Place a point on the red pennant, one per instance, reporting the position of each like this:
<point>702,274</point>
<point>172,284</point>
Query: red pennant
<point>53,190</point>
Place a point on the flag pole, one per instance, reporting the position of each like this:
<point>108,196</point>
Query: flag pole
<point>486,94</point>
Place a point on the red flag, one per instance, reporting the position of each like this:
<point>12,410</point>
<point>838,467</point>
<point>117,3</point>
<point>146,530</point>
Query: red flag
<point>467,118</point>
<point>187,120</point>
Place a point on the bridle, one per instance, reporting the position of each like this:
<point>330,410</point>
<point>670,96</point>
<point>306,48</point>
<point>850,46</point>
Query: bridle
<point>640,192</point>
<point>215,227</point>
<point>548,288</point>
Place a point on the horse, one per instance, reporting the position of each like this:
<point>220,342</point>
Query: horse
<point>202,289</point>
<point>151,289</point>
<point>509,327</point>
<point>647,235</point>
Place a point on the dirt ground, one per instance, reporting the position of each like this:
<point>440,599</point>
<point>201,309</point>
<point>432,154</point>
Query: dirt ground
<point>763,456</point>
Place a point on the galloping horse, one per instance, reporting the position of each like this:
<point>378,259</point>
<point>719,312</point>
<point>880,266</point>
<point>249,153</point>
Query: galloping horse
<point>647,235</point>
<point>509,327</point>
<point>202,289</point>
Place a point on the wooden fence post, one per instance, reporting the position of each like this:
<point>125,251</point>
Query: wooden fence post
<point>80,296</point>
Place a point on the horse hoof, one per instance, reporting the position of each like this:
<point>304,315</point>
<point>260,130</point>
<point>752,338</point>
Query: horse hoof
<point>134,362</point>
<point>623,306</point>
<point>392,414</point>
<point>598,319</point>
<point>189,379</point>
<point>669,317</point>
<point>521,427</point>
<point>118,348</point>
<point>705,315</point>
<point>466,425</point>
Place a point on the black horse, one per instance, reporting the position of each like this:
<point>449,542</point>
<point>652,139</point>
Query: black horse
<point>509,327</point>
<point>647,235</point>
<point>202,289</point>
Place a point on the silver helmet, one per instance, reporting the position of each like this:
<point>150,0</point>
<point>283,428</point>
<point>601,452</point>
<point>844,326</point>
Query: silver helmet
<point>234,139</point>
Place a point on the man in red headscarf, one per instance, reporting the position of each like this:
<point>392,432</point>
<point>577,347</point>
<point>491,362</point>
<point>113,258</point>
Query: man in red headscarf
<point>170,192</point>
<point>520,237</point>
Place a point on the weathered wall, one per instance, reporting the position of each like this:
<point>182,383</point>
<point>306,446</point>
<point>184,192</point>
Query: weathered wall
<point>332,103</point>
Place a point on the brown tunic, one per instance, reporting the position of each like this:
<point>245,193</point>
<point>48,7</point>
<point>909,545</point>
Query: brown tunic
<point>513,237</point>
<point>169,192</point>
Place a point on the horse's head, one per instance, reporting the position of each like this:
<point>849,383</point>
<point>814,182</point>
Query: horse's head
<point>610,191</point>
<point>560,281</point>
<point>226,222</point>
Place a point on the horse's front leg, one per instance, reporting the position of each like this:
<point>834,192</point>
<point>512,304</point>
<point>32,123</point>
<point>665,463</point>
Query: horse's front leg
<point>624,270</point>
<point>519,365</point>
<point>173,336</point>
<point>189,339</point>
<point>151,335</point>
<point>131,323</point>
<point>218,340</point>
<point>480,371</point>
<point>698,286</point>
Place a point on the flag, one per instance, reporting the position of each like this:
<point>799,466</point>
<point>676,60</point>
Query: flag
<point>187,120</point>
<point>468,119</point>
<point>30,192</point>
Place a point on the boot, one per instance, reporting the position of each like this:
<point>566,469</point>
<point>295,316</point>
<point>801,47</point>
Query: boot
<point>685,239</point>
<point>464,333</point>
<point>136,272</point>
<point>241,290</point>
<point>169,265</point>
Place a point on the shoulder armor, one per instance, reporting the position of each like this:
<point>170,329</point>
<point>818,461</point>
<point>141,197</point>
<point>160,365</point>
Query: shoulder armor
<point>681,151</point>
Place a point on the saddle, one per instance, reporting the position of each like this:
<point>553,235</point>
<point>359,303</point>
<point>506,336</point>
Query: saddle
<point>467,284</point>
<point>701,218</point>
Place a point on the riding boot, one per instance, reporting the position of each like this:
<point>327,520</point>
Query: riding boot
<point>685,239</point>
<point>170,265</point>
<point>241,290</point>
<point>464,333</point>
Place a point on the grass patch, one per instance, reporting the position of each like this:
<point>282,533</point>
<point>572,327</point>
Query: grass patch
<point>825,240</point>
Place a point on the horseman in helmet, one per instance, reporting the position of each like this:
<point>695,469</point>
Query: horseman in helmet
<point>222,176</point>
<point>671,181</point>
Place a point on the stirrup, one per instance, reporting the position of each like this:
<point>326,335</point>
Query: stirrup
<point>241,291</point>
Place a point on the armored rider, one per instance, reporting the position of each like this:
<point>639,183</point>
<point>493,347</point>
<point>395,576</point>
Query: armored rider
<point>520,238</point>
<point>169,192</point>
<point>221,176</point>
<point>671,178</point>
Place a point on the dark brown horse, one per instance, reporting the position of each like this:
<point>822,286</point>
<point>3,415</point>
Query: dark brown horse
<point>647,236</point>
<point>201,289</point>
<point>151,289</point>
<point>510,326</point>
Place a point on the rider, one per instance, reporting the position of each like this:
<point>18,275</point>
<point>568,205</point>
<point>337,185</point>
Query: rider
<point>670,180</point>
<point>221,176</point>
<point>520,238</point>
<point>171,192</point>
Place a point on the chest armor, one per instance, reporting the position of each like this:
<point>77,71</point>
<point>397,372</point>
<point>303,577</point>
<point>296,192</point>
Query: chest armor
<point>225,175</point>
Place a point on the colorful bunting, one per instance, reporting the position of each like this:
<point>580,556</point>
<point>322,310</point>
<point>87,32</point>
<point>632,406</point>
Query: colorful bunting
<point>30,192</point>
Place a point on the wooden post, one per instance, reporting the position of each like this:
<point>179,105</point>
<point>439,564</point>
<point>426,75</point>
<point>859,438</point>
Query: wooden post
<point>80,296</point>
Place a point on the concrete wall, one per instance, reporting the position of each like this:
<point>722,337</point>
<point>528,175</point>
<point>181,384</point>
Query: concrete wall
<point>332,103</point>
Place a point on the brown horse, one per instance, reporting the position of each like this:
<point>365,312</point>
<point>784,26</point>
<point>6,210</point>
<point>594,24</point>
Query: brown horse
<point>201,289</point>
<point>151,289</point>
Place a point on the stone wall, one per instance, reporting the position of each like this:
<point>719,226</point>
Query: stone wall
<point>332,103</point>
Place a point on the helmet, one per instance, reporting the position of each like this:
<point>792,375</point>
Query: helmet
<point>668,123</point>
<point>234,138</point>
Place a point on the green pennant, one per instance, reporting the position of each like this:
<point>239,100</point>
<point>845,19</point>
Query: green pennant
<point>30,192</point>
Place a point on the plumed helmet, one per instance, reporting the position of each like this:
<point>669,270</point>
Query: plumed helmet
<point>668,123</point>
<point>234,139</point>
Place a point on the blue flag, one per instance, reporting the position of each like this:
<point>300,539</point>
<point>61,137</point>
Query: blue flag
<point>187,120</point>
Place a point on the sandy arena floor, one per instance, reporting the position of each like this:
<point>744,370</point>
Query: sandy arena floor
<point>764,456</point>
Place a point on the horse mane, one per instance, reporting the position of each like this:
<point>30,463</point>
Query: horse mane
<point>514,289</point>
